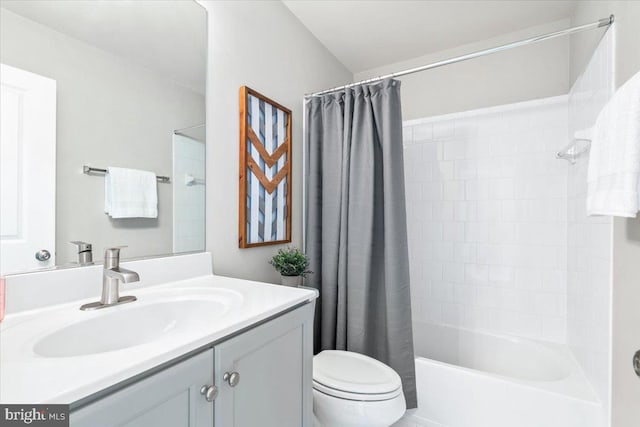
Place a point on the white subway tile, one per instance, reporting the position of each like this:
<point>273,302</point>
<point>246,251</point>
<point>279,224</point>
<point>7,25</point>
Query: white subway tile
<point>453,232</point>
<point>443,251</point>
<point>455,149</point>
<point>442,210</point>
<point>442,292</point>
<point>453,190</point>
<point>476,232</point>
<point>476,274</point>
<point>423,132</point>
<point>554,329</point>
<point>489,210</point>
<point>465,294</point>
<point>477,190</point>
<point>489,296</point>
<point>489,254</point>
<point>431,151</point>
<point>432,311</point>
<point>547,304</point>
<point>466,169</point>
<point>444,130</point>
<point>501,275</point>
<point>432,231</point>
<point>432,271</point>
<point>477,317</point>
<point>502,232</point>
<point>407,134</point>
<point>431,191</point>
<point>452,314</point>
<point>554,281</point>
<point>465,211</point>
<point>453,272</point>
<point>510,210</point>
<point>464,252</point>
<point>528,278</point>
<point>443,171</point>
<point>502,189</point>
<point>416,307</point>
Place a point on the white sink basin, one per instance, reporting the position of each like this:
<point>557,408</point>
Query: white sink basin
<point>162,317</point>
<point>129,327</point>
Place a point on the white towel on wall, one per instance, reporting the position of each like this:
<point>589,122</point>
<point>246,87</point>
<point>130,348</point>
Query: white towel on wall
<point>613,178</point>
<point>130,193</point>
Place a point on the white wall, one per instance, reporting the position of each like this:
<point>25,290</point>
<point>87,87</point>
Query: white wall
<point>261,45</point>
<point>521,74</point>
<point>590,238</point>
<point>109,113</point>
<point>625,315</point>
<point>486,209</point>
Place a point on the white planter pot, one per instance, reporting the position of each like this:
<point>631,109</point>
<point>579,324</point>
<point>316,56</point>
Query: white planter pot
<point>290,280</point>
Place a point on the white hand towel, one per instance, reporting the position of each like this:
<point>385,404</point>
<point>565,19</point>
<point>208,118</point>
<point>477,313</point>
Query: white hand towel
<point>614,163</point>
<point>130,193</point>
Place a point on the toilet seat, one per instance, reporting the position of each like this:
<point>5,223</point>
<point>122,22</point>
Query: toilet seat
<point>361,397</point>
<point>354,376</point>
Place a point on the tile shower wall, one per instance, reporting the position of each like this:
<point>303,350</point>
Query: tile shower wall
<point>188,200</point>
<point>589,238</point>
<point>487,218</point>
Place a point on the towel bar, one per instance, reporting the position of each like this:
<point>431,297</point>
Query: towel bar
<point>88,170</point>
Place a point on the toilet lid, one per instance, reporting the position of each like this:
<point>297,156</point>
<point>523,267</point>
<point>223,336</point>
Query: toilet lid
<point>352,372</point>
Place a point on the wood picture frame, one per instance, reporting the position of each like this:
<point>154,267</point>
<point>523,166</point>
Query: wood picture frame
<point>265,171</point>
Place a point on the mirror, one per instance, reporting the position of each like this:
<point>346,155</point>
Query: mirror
<point>89,85</point>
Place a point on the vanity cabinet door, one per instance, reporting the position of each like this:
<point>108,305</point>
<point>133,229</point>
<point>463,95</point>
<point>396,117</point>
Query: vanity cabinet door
<point>269,374</point>
<point>170,398</point>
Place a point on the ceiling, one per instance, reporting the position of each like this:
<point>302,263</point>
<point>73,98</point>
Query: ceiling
<point>167,36</point>
<point>368,34</point>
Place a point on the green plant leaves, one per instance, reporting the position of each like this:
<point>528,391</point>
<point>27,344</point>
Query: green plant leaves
<point>290,262</point>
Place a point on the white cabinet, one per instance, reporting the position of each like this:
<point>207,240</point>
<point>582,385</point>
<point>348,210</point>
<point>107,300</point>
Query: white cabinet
<point>170,398</point>
<point>268,384</point>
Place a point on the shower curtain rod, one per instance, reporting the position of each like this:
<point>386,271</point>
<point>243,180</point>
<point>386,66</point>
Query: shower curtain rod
<point>605,22</point>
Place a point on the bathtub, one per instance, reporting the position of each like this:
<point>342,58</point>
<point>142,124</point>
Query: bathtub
<point>473,379</point>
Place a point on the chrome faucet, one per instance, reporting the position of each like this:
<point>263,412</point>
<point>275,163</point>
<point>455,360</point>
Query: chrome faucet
<point>112,275</point>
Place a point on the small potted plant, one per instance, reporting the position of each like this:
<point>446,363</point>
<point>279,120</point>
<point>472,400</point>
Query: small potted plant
<point>292,264</point>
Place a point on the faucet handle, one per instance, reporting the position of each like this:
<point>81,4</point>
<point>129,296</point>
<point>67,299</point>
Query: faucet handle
<point>82,246</point>
<point>112,257</point>
<point>113,253</point>
<point>85,254</point>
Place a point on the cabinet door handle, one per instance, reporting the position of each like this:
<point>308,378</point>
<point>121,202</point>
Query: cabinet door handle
<point>210,392</point>
<point>232,378</point>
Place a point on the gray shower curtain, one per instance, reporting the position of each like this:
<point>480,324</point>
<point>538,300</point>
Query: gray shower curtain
<point>356,232</point>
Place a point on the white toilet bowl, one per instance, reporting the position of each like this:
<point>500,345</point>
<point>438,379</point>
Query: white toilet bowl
<point>354,390</point>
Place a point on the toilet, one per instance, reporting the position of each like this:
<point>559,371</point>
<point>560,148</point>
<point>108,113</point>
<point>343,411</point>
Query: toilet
<point>354,390</point>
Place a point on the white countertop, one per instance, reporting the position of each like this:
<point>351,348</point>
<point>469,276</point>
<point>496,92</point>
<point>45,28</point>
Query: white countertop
<point>27,377</point>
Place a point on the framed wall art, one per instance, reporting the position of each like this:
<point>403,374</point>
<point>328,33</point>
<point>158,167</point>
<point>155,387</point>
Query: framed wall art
<point>265,171</point>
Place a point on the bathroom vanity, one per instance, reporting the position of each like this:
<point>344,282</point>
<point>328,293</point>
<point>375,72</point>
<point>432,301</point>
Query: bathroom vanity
<point>193,350</point>
<point>235,382</point>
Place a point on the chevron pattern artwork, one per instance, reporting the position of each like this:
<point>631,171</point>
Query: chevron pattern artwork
<point>265,171</point>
